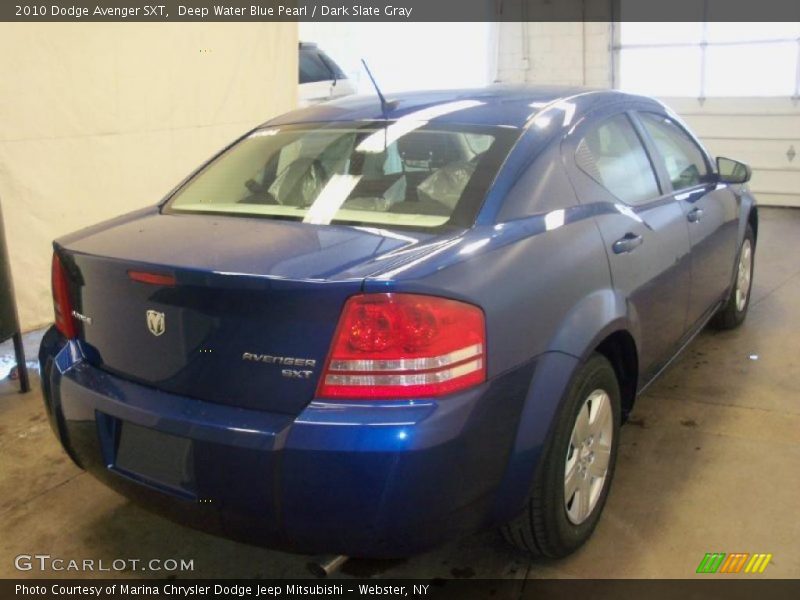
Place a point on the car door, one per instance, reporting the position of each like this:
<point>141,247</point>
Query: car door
<point>644,230</point>
<point>711,210</point>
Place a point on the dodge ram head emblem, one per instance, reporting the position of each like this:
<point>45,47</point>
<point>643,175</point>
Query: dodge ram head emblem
<point>155,322</point>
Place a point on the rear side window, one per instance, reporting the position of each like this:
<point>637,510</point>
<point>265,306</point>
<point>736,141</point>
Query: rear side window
<point>686,165</point>
<point>401,173</point>
<point>612,154</point>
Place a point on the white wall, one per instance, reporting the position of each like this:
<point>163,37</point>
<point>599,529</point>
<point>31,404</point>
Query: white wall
<point>555,53</point>
<point>100,119</point>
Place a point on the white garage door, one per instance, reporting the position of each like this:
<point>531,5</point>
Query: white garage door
<point>736,84</point>
<point>763,132</point>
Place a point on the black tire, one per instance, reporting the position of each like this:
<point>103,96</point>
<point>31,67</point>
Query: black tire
<point>732,313</point>
<point>544,528</point>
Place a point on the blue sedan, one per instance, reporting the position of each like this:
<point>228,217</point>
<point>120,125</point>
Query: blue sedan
<point>366,328</point>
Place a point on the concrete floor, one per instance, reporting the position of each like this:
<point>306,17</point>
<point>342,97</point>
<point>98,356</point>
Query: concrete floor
<point>709,462</point>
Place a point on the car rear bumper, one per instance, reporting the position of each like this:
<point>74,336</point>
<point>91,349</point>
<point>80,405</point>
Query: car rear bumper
<point>381,480</point>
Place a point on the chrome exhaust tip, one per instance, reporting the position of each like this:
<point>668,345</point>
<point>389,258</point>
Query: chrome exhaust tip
<point>326,565</point>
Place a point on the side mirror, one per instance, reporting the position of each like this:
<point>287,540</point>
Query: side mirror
<point>733,171</point>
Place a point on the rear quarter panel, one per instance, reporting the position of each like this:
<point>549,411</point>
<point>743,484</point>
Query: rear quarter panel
<point>538,270</point>
<point>540,273</point>
<point>531,282</point>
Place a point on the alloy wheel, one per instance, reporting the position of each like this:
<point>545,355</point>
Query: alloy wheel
<point>743,275</point>
<point>588,456</point>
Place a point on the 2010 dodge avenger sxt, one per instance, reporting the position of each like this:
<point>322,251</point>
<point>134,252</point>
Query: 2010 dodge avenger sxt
<point>367,327</point>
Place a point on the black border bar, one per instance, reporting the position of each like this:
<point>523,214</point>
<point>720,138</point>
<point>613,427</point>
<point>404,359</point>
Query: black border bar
<point>722,588</point>
<point>398,10</point>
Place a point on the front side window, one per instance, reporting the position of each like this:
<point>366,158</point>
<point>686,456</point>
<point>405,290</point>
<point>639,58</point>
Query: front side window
<point>613,155</point>
<point>397,173</point>
<point>685,162</point>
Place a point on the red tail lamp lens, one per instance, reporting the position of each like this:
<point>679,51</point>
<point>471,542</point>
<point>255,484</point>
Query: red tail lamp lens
<point>65,322</point>
<point>391,346</point>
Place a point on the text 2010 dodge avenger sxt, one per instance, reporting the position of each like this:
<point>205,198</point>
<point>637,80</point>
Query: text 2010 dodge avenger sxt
<point>365,328</point>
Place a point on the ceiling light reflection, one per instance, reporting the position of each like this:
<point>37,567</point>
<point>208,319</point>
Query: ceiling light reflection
<point>378,141</point>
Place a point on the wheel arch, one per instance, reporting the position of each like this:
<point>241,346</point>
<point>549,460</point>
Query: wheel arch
<point>752,220</point>
<point>621,351</point>
<point>603,322</point>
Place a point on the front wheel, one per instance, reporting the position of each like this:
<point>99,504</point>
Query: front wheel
<point>734,311</point>
<point>576,469</point>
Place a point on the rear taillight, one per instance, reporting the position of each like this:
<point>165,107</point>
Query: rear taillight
<point>405,345</point>
<point>65,323</point>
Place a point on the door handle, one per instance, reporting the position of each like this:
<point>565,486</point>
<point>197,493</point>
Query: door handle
<point>695,215</point>
<point>627,243</point>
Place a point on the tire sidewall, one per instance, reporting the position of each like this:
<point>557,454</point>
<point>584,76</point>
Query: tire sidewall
<point>740,314</point>
<point>596,373</point>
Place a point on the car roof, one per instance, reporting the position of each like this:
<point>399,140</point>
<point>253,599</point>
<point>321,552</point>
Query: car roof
<point>494,105</point>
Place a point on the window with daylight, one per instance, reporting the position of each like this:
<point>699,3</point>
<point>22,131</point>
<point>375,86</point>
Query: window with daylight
<point>614,157</point>
<point>684,161</point>
<point>709,59</point>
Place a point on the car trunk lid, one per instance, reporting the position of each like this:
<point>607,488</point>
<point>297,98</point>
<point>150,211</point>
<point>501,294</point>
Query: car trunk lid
<point>224,309</point>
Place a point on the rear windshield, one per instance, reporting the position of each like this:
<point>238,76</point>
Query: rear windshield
<point>409,174</point>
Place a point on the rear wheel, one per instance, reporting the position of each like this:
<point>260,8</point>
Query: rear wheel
<point>576,469</point>
<point>734,311</point>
